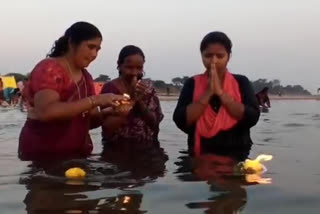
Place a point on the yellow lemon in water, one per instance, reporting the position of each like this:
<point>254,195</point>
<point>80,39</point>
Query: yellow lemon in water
<point>255,165</point>
<point>252,165</point>
<point>75,173</point>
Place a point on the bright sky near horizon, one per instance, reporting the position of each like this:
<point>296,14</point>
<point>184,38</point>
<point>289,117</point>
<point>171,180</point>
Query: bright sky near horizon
<point>273,39</point>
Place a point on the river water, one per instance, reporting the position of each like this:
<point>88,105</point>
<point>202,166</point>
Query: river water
<point>290,132</point>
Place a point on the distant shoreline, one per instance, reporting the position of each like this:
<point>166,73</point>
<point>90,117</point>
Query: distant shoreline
<point>293,97</point>
<point>173,97</point>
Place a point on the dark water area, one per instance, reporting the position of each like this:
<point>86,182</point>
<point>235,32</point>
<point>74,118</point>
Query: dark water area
<point>169,181</point>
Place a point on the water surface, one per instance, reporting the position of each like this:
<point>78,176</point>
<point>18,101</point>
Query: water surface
<point>290,132</point>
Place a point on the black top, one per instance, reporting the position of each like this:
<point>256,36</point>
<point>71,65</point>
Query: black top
<point>232,141</point>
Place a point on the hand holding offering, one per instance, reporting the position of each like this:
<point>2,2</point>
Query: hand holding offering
<point>124,106</point>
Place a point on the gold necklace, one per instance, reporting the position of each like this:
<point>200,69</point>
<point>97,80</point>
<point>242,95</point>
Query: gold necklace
<point>77,86</point>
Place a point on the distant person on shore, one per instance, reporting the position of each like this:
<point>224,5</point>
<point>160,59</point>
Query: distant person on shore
<point>3,103</point>
<point>21,84</point>
<point>14,97</point>
<point>216,108</point>
<point>7,95</point>
<point>134,127</point>
<point>62,100</point>
<point>1,91</point>
<point>168,91</point>
<point>23,103</point>
<point>263,98</point>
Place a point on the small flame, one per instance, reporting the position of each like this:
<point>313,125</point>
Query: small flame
<point>126,199</point>
<point>126,96</point>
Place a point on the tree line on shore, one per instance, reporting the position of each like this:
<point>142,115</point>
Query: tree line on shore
<point>176,85</point>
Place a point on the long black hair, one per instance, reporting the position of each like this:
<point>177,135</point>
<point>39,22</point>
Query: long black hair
<point>77,33</point>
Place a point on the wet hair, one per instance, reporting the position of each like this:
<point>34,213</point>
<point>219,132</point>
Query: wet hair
<point>126,51</point>
<point>265,89</point>
<point>77,33</point>
<point>216,37</point>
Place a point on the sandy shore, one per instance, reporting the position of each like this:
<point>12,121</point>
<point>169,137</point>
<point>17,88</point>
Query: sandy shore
<point>164,97</point>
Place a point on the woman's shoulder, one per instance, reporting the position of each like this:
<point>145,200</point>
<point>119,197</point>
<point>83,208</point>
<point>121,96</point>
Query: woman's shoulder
<point>48,62</point>
<point>48,66</point>
<point>110,87</point>
<point>190,80</point>
<point>112,82</point>
<point>48,74</point>
<point>240,78</point>
<point>189,83</point>
<point>244,83</point>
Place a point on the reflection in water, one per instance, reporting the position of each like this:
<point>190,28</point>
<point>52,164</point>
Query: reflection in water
<point>51,192</point>
<point>316,117</point>
<point>226,184</point>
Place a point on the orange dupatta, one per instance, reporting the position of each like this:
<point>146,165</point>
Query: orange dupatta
<point>211,123</point>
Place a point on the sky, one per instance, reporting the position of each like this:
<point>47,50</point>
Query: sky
<point>272,39</point>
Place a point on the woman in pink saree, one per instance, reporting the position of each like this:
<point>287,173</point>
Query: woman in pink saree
<point>63,105</point>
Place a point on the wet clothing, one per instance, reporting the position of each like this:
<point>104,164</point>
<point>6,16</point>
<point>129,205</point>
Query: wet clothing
<point>234,139</point>
<point>135,134</point>
<point>59,138</point>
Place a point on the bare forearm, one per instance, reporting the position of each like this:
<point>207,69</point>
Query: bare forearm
<point>234,108</point>
<point>195,109</point>
<point>112,123</point>
<point>96,118</point>
<point>63,110</point>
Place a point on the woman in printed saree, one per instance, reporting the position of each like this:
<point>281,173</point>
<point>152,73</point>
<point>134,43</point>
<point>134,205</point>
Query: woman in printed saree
<point>216,108</point>
<point>135,126</point>
<point>63,105</point>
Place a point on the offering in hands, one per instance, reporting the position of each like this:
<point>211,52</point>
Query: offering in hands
<point>124,105</point>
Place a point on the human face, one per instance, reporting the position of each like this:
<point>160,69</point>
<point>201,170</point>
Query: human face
<point>132,67</point>
<point>86,52</point>
<point>217,54</point>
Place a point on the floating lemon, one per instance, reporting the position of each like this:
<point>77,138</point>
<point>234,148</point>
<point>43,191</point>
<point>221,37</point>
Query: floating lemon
<point>254,166</point>
<point>75,173</point>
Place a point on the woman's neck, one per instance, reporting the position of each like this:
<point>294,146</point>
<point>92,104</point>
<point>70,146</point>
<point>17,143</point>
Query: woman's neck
<point>71,65</point>
<point>127,84</point>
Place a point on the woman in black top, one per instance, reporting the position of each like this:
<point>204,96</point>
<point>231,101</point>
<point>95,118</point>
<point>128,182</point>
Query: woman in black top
<point>223,92</point>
